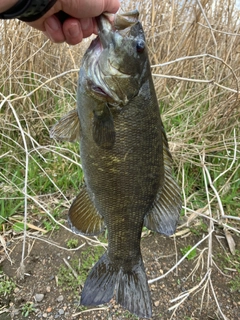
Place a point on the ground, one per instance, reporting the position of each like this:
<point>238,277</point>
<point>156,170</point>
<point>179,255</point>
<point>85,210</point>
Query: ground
<point>41,294</point>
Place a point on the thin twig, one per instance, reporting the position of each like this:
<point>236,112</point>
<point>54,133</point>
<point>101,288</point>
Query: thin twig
<point>234,157</point>
<point>216,300</point>
<point>220,31</point>
<point>208,23</point>
<point>69,266</point>
<point>181,260</point>
<point>89,310</point>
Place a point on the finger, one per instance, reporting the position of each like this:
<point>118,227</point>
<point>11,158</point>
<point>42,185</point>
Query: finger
<point>111,6</point>
<point>90,8</point>
<point>53,29</point>
<point>72,30</point>
<point>87,27</point>
<point>40,23</point>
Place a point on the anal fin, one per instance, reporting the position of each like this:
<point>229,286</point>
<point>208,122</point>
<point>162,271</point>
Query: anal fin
<point>164,216</point>
<point>83,216</point>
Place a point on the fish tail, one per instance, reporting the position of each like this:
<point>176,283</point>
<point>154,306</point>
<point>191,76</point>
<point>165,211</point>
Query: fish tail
<point>131,287</point>
<point>132,291</point>
<point>100,284</point>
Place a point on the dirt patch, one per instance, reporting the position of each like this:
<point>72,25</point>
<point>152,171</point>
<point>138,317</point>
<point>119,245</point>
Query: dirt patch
<point>50,300</point>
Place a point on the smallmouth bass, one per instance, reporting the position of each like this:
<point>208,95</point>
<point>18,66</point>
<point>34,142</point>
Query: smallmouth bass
<point>125,159</point>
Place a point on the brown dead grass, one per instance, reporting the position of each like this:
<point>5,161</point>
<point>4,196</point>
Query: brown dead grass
<point>195,52</point>
<point>194,48</point>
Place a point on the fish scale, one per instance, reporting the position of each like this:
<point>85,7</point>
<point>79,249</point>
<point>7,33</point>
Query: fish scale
<point>125,159</point>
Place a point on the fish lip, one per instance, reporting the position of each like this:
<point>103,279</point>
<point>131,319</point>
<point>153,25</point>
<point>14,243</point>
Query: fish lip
<point>104,23</point>
<point>105,30</point>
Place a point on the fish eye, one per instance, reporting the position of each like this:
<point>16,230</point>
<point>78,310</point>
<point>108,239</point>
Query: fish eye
<point>140,46</point>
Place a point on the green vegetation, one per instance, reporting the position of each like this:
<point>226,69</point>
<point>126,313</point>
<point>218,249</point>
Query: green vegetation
<point>199,228</point>
<point>7,285</point>
<point>68,279</point>
<point>235,283</point>
<point>201,119</point>
<point>219,155</point>
<point>128,315</point>
<point>45,174</point>
<point>81,308</point>
<point>8,208</point>
<point>191,254</point>
<point>72,243</point>
<point>28,308</point>
<point>18,227</point>
<point>228,263</point>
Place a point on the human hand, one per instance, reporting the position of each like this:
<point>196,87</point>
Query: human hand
<point>80,23</point>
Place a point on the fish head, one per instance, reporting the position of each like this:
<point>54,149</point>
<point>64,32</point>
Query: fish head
<point>117,61</point>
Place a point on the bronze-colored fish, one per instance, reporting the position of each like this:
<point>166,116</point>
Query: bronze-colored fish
<point>125,160</point>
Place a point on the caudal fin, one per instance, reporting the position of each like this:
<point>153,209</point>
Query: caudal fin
<point>100,283</point>
<point>132,290</point>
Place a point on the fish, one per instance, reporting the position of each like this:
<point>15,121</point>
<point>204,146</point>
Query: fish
<point>125,157</point>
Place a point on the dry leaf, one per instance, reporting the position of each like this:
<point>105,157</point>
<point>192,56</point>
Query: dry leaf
<point>181,232</point>
<point>230,241</point>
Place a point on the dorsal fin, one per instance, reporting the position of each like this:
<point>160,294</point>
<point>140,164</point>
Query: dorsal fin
<point>166,209</point>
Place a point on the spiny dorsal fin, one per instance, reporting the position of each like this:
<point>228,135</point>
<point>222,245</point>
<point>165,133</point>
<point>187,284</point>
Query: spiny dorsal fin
<point>164,215</point>
<point>83,216</point>
<point>67,128</point>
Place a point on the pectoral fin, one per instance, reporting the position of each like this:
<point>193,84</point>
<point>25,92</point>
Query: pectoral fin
<point>83,216</point>
<point>164,215</point>
<point>103,128</point>
<point>67,128</point>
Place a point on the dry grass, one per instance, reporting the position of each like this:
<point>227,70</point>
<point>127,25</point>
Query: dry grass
<point>195,52</point>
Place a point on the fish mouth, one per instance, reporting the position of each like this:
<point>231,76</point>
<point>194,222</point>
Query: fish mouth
<point>95,83</point>
<point>109,24</point>
<point>110,28</point>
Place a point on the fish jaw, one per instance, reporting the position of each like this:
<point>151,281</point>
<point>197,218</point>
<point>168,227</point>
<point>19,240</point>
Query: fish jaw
<point>116,64</point>
<point>122,23</point>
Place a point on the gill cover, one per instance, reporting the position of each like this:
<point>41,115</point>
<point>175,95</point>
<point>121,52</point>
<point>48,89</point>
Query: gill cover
<point>123,61</point>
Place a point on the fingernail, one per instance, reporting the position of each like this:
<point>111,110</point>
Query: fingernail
<point>53,23</point>
<point>74,30</point>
